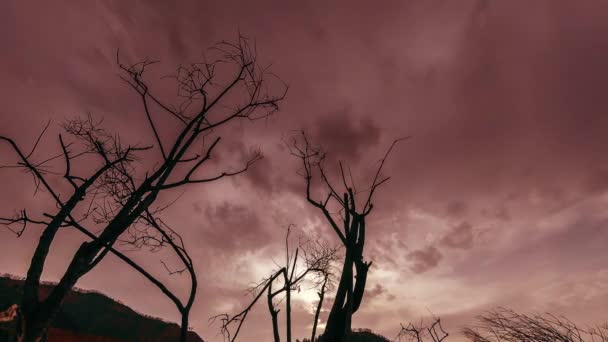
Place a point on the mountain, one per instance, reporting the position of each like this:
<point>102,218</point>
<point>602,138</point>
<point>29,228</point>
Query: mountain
<point>92,316</point>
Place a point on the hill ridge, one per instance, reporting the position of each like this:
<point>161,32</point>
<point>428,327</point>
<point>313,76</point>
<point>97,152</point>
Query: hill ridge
<point>90,312</point>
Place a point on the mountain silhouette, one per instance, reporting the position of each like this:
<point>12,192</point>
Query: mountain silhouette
<point>92,316</point>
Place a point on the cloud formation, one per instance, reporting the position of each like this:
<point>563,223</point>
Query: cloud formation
<point>424,259</point>
<point>504,176</point>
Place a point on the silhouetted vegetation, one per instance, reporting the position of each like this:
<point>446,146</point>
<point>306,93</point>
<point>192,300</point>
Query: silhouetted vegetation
<point>434,332</point>
<point>353,207</point>
<point>311,260</point>
<point>112,193</point>
<point>505,325</point>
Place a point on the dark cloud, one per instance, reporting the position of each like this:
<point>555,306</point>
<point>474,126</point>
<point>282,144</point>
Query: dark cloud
<point>346,136</point>
<point>456,208</point>
<point>425,259</point>
<point>375,292</point>
<point>596,183</point>
<point>460,236</point>
<point>502,213</point>
<point>232,228</point>
<point>260,176</point>
<point>197,208</point>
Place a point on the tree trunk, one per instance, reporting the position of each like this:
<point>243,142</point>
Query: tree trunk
<point>273,315</point>
<point>36,322</point>
<point>184,328</point>
<point>336,329</point>
<point>318,310</point>
<point>275,325</point>
<point>31,330</point>
<point>349,295</point>
<point>288,311</point>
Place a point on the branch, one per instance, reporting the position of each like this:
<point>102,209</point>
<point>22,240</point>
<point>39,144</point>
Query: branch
<point>376,182</point>
<point>188,180</point>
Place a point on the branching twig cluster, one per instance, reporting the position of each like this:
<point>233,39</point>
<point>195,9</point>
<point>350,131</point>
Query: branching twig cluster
<point>432,333</point>
<point>508,326</point>
<point>116,196</point>
<point>311,260</point>
<point>353,213</point>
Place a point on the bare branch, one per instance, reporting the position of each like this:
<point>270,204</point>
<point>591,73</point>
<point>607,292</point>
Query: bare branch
<point>506,325</point>
<point>118,194</point>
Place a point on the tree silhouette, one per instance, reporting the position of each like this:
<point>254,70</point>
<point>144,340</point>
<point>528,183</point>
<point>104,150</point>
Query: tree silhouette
<point>432,333</point>
<point>325,286</point>
<point>505,325</point>
<point>156,235</point>
<point>353,213</point>
<point>311,260</point>
<point>118,193</point>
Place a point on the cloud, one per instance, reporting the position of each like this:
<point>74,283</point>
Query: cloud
<point>507,118</point>
<point>233,228</point>
<point>260,176</point>
<point>597,182</point>
<point>346,136</point>
<point>456,208</point>
<point>375,292</point>
<point>460,236</point>
<point>425,259</point>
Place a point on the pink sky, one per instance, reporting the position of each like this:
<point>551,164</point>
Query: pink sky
<point>498,198</point>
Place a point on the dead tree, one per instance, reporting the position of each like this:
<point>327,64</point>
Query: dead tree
<point>117,192</point>
<point>432,333</point>
<point>155,234</point>
<point>505,325</point>
<point>349,293</point>
<point>326,285</point>
<point>312,260</point>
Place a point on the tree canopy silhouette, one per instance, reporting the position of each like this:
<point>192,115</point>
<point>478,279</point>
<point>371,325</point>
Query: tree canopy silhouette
<point>311,260</point>
<point>353,207</point>
<point>112,191</point>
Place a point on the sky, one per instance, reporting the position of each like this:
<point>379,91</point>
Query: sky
<point>497,199</point>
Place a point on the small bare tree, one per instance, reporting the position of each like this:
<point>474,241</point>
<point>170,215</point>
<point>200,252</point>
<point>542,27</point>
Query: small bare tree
<point>118,192</point>
<point>326,285</point>
<point>311,260</point>
<point>353,213</point>
<point>505,325</point>
<point>421,333</point>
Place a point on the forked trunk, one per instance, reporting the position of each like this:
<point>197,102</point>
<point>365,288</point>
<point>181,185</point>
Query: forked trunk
<point>351,288</point>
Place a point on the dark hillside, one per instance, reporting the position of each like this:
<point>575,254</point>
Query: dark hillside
<point>91,316</point>
<point>366,335</point>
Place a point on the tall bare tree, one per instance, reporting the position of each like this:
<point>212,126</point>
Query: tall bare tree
<point>354,212</point>
<point>311,260</point>
<point>117,192</point>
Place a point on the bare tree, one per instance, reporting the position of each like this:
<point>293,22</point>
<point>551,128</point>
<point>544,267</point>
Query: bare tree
<point>412,333</point>
<point>156,234</point>
<point>353,213</point>
<point>311,260</point>
<point>325,286</point>
<point>118,192</point>
<point>505,325</point>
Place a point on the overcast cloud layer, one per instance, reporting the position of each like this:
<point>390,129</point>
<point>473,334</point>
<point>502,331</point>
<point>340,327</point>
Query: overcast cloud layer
<point>498,198</point>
